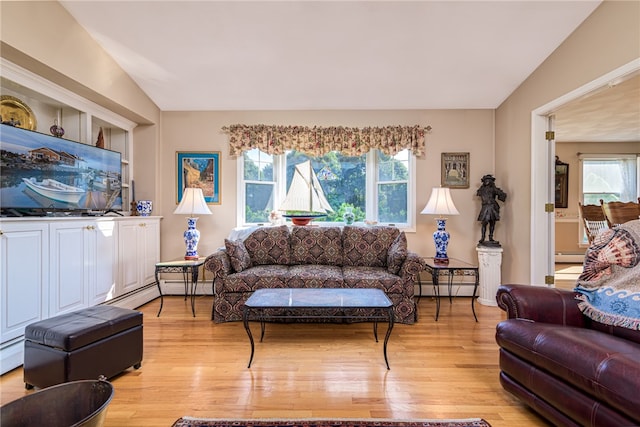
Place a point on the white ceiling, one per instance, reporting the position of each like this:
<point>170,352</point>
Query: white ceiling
<point>280,55</point>
<point>315,55</point>
<point>611,113</point>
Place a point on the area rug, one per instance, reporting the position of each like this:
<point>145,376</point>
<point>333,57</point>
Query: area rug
<point>328,422</point>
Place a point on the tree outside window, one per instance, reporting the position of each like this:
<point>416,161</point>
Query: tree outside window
<point>344,182</point>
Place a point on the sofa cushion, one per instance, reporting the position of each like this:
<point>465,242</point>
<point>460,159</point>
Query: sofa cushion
<point>601,365</point>
<point>315,276</point>
<point>316,245</point>
<point>374,277</point>
<point>367,246</point>
<point>269,245</point>
<point>257,277</point>
<point>397,254</point>
<point>238,254</point>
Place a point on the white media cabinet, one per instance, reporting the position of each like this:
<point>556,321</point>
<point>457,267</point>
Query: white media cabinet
<point>54,265</point>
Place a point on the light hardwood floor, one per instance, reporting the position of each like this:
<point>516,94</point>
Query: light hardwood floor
<point>192,366</point>
<point>566,275</point>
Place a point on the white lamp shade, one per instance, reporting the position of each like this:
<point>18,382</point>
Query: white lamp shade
<point>192,203</point>
<point>440,203</point>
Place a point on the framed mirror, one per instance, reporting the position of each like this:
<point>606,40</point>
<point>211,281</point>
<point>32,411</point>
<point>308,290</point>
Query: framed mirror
<point>562,183</point>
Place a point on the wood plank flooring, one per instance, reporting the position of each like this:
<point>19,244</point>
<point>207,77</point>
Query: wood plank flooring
<point>566,275</point>
<point>192,366</point>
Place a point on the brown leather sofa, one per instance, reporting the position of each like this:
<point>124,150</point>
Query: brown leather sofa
<point>570,369</point>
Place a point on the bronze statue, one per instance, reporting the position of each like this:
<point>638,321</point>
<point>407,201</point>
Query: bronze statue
<point>490,211</point>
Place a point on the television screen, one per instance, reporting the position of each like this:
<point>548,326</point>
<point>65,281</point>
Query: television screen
<point>40,172</point>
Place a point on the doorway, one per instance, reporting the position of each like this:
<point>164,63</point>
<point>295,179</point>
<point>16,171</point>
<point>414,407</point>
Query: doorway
<point>543,172</point>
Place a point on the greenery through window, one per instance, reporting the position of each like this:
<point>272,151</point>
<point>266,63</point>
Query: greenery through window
<point>343,179</point>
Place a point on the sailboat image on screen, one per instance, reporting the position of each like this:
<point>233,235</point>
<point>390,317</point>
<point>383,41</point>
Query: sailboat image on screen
<point>305,199</point>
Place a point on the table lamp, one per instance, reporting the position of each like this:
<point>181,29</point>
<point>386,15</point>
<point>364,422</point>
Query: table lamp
<point>192,204</point>
<point>440,203</point>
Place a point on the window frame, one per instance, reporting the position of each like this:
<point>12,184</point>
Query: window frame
<point>583,242</point>
<point>371,204</point>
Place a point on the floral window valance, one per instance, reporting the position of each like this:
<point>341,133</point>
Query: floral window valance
<point>318,141</point>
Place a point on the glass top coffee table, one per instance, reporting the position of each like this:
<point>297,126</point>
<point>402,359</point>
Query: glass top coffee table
<point>308,304</point>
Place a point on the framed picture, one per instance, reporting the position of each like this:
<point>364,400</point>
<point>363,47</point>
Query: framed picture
<point>562,183</point>
<point>200,170</point>
<point>455,170</point>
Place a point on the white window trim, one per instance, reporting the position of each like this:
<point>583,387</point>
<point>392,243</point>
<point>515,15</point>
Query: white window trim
<point>371,188</point>
<point>602,156</point>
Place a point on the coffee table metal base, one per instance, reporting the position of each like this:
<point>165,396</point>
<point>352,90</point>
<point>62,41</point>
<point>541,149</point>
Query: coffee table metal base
<point>303,304</point>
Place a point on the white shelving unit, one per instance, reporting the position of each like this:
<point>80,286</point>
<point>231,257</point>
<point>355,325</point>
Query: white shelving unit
<point>80,118</point>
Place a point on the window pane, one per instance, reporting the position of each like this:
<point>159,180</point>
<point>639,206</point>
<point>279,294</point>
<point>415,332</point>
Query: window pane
<point>258,202</point>
<point>394,168</point>
<point>393,178</point>
<point>392,203</point>
<point>258,166</point>
<point>609,179</point>
<point>342,179</point>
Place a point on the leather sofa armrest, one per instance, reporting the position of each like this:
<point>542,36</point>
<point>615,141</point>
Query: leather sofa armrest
<point>411,267</point>
<point>218,263</point>
<point>540,304</point>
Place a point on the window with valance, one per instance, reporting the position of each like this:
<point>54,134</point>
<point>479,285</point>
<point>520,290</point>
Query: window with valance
<point>318,141</point>
<point>368,170</point>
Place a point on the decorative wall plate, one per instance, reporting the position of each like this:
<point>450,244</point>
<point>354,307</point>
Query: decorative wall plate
<point>14,110</point>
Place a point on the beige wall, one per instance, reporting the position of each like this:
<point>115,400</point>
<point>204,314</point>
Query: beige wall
<point>453,131</point>
<point>44,38</point>
<point>608,39</point>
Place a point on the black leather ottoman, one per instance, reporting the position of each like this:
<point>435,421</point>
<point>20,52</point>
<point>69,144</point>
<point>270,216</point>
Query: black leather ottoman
<point>82,345</point>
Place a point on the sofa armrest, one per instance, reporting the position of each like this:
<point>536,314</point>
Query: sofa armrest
<point>218,263</point>
<point>411,267</point>
<point>540,304</point>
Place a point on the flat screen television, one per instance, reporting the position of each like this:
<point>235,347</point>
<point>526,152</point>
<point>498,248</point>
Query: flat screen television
<point>41,174</point>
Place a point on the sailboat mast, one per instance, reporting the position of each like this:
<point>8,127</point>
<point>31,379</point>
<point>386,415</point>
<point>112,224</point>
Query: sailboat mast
<point>311,189</point>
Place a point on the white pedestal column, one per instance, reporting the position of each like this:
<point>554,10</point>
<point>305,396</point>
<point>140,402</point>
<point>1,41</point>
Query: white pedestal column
<point>489,262</point>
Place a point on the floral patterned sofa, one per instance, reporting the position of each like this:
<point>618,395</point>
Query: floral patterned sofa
<point>314,257</point>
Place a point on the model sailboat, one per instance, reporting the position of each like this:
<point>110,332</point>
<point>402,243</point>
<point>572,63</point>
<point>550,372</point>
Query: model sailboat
<point>305,199</point>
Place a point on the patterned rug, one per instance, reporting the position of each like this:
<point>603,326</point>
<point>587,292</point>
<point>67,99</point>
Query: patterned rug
<point>328,422</point>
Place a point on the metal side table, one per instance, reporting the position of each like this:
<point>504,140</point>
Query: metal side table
<point>454,267</point>
<point>189,269</point>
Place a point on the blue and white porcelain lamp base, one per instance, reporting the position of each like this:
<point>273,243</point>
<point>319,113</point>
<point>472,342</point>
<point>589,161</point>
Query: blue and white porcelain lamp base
<point>441,240</point>
<point>191,239</point>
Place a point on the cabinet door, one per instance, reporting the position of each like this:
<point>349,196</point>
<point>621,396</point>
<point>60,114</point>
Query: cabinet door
<point>151,248</point>
<point>24,263</point>
<point>139,251</point>
<point>103,270</point>
<point>128,255</point>
<point>71,250</point>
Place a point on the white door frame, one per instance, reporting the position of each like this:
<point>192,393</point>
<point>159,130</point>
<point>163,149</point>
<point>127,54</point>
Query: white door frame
<point>542,175</point>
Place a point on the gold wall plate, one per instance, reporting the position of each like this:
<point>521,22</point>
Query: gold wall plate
<point>12,108</point>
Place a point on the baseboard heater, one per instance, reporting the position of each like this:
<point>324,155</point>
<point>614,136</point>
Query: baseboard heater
<point>569,258</point>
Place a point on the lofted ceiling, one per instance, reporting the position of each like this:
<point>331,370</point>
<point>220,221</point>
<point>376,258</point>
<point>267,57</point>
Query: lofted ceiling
<point>318,55</point>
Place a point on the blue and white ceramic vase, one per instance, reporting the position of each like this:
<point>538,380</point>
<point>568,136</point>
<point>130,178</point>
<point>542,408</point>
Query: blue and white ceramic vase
<point>144,207</point>
<point>348,216</point>
<point>441,239</point>
<point>191,238</point>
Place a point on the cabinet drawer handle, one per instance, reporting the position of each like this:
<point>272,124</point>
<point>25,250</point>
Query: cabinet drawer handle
<point>142,224</point>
